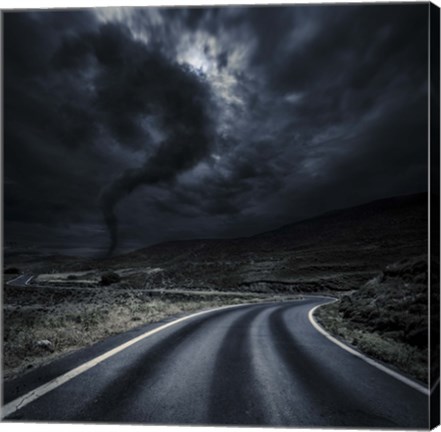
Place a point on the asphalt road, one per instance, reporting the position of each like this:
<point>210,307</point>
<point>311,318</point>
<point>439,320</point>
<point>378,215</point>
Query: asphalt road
<point>262,364</point>
<point>20,281</point>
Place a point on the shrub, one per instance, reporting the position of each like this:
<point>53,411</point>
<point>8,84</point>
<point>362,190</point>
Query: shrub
<point>110,278</point>
<point>12,270</point>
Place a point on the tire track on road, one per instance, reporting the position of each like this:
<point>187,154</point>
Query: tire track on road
<point>335,404</point>
<point>233,385</point>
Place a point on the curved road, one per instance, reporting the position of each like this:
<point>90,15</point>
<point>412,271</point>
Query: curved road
<point>261,364</point>
<point>21,281</point>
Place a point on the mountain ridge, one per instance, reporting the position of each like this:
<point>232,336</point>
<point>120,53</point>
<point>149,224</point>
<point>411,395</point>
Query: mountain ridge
<point>419,199</point>
<point>334,251</point>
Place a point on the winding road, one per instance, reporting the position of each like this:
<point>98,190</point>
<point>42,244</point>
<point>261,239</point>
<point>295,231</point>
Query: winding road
<point>20,281</point>
<point>259,364</point>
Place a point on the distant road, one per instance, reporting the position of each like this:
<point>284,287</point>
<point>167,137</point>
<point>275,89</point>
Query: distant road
<point>22,280</point>
<point>261,364</point>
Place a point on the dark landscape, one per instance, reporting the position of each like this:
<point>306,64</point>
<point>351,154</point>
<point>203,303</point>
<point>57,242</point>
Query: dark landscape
<point>220,215</point>
<point>349,253</point>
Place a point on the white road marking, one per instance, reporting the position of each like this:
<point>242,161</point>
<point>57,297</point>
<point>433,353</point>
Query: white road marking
<point>31,396</point>
<point>372,362</point>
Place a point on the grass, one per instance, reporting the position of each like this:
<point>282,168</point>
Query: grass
<point>387,318</point>
<point>404,357</point>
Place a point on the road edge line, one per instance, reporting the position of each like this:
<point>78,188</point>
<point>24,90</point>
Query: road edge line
<point>36,393</point>
<point>372,362</point>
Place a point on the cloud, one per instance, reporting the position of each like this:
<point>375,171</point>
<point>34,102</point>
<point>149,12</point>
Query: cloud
<point>208,122</point>
<point>148,85</point>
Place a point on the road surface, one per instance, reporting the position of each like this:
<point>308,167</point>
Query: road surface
<point>20,281</point>
<point>256,365</point>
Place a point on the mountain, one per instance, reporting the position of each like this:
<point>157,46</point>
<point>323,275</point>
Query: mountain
<point>338,250</point>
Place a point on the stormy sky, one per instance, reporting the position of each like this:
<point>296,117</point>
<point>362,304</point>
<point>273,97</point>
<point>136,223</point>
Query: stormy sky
<point>125,127</point>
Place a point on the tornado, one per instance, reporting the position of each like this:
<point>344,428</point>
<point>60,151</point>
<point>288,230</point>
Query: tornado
<point>134,82</point>
<point>176,155</point>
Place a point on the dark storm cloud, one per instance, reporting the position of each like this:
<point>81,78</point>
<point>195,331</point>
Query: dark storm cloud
<point>333,88</point>
<point>129,83</point>
<point>211,121</point>
<point>47,129</point>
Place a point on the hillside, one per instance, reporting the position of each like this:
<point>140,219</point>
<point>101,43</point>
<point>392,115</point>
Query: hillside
<point>387,318</point>
<point>338,250</point>
<point>335,251</point>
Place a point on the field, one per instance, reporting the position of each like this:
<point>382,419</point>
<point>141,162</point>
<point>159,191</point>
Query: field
<point>361,255</point>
